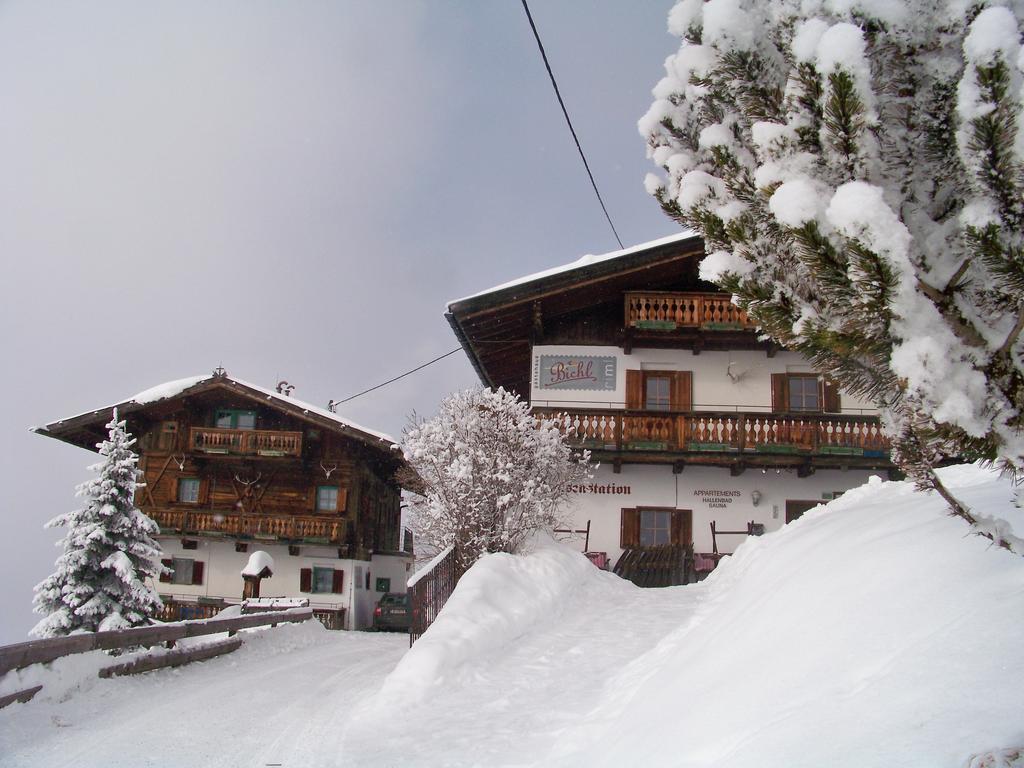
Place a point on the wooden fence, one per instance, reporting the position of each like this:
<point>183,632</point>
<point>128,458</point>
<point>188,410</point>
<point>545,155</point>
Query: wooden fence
<point>429,590</point>
<point>20,655</point>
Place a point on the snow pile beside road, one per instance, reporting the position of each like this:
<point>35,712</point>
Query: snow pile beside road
<point>500,598</point>
<point>871,632</point>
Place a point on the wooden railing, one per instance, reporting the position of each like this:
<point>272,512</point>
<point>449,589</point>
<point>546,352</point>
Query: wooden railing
<point>430,589</point>
<point>258,442</point>
<point>661,310</point>
<point>21,655</point>
<point>713,431</point>
<point>237,524</point>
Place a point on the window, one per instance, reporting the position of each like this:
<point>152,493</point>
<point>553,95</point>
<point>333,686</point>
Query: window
<point>657,393</point>
<point>323,579</point>
<point>228,418</point>
<point>655,527</point>
<point>383,585</point>
<point>804,393</point>
<point>659,390</point>
<point>327,498</point>
<point>188,490</point>
<point>184,571</point>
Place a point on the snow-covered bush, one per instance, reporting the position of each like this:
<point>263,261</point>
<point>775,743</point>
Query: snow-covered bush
<point>856,168</point>
<point>109,552</point>
<point>491,473</point>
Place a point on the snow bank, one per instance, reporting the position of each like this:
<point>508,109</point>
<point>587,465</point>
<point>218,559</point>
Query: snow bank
<point>871,632</point>
<point>498,600</point>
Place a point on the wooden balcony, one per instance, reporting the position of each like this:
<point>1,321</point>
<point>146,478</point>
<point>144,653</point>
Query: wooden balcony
<point>327,530</point>
<point>667,311</point>
<point>705,432</point>
<point>245,442</point>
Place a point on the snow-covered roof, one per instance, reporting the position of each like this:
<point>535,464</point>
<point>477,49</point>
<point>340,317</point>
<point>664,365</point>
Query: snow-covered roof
<point>258,560</point>
<point>175,388</point>
<point>583,261</point>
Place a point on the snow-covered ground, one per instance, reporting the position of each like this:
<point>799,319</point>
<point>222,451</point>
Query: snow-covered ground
<point>284,697</point>
<point>872,632</point>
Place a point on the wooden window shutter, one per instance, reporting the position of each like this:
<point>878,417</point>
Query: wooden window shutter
<point>629,532</point>
<point>830,399</point>
<point>167,563</point>
<point>338,582</point>
<point>342,499</point>
<point>173,494</point>
<point>634,390</point>
<point>311,499</point>
<point>780,399</point>
<point>682,391</point>
<point>197,572</point>
<point>682,526</point>
<point>305,580</point>
<point>204,490</point>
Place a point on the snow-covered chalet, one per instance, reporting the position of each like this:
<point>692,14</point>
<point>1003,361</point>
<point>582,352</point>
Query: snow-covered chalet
<point>704,432</point>
<point>231,468</point>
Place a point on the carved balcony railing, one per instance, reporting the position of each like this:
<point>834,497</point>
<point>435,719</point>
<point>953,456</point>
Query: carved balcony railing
<point>708,431</point>
<point>251,442</point>
<point>285,527</point>
<point>666,311</point>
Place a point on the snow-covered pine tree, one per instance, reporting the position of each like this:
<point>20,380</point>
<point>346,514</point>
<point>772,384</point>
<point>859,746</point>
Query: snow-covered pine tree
<point>491,474</point>
<point>856,169</point>
<point>109,552</point>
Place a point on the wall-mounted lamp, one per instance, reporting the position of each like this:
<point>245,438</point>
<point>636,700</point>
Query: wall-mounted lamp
<point>755,496</point>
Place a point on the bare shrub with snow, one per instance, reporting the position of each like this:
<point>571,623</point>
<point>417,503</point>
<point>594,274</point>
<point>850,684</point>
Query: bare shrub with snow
<point>857,172</point>
<point>109,552</point>
<point>491,474</point>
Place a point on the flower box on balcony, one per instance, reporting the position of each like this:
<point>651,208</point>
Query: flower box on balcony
<point>721,447</point>
<point>840,450</point>
<point>656,325</point>
<point>647,445</point>
<point>781,448</point>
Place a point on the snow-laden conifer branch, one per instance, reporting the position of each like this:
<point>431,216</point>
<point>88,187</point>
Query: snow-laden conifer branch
<point>857,172</point>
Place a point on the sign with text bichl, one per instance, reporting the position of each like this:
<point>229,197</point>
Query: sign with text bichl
<point>574,372</point>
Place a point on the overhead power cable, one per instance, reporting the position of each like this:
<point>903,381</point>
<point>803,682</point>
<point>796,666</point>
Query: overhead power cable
<point>565,112</point>
<point>334,403</point>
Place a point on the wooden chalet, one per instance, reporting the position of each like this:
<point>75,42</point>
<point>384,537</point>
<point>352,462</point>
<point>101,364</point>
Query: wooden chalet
<point>658,372</point>
<point>231,467</point>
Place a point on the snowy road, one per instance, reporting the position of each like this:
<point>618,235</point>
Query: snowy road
<point>284,698</point>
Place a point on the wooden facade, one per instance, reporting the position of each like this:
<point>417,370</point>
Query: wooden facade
<point>653,299</point>
<point>277,473</point>
<point>229,468</point>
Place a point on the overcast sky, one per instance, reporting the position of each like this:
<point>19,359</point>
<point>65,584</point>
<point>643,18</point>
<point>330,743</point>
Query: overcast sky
<point>292,190</point>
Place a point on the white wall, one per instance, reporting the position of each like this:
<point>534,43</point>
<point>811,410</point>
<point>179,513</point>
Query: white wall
<point>657,486</point>
<point>222,575</point>
<point>737,380</point>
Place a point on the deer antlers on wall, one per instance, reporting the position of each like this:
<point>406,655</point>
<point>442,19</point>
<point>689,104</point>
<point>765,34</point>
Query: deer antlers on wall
<point>328,470</point>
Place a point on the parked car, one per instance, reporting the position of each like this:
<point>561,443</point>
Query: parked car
<point>393,612</point>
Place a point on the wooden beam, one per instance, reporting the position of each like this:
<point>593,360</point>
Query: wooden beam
<point>805,470</point>
<point>678,467</point>
<point>20,696</point>
<point>172,658</point>
<point>737,469</point>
